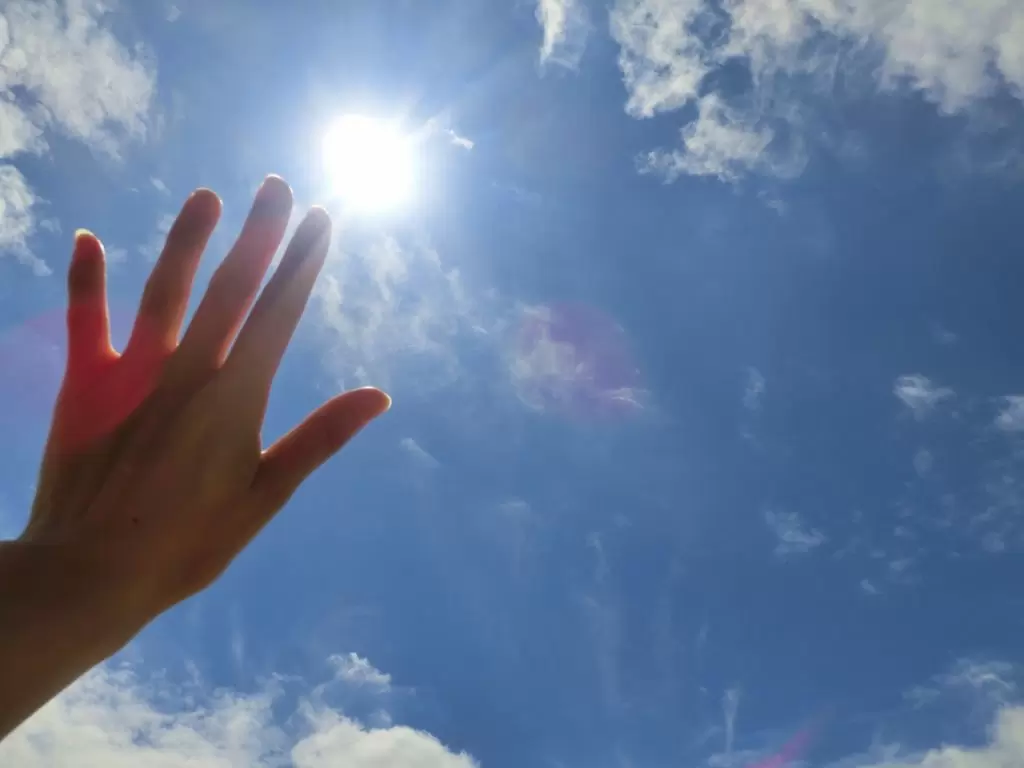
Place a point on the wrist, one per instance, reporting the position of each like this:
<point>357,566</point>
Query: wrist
<point>55,593</point>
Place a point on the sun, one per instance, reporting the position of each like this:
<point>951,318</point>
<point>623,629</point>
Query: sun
<point>369,163</point>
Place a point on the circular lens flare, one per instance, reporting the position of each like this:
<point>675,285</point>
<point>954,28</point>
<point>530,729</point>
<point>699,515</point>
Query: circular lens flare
<point>369,163</point>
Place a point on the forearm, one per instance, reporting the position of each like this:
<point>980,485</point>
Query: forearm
<point>57,620</point>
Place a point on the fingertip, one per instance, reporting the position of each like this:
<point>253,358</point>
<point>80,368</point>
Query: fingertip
<point>273,198</point>
<point>86,270</point>
<point>206,200</point>
<point>87,245</point>
<point>316,226</point>
<point>319,214</point>
<point>375,402</point>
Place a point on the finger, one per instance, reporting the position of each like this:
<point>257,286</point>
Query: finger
<point>236,280</point>
<point>88,319</point>
<point>165,297</point>
<point>263,339</point>
<point>293,458</point>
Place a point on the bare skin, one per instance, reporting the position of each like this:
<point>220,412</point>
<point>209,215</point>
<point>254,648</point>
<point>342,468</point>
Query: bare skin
<point>154,477</point>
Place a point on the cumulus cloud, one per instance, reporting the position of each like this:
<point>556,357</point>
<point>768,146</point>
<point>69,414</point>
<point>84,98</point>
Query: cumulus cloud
<point>565,27</point>
<point>673,54</point>
<point>112,718</point>
<point>793,538</point>
<point>61,70</point>
<point>919,393</point>
<point>984,686</point>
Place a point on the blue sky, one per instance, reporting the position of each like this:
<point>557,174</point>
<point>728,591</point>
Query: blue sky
<point>702,327</point>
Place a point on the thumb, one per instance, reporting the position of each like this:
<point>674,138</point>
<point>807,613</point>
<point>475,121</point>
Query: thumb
<point>293,458</point>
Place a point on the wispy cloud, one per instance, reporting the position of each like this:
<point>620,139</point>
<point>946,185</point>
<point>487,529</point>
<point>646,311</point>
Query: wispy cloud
<point>16,219</point>
<point>111,717</point>
<point>565,26</point>
<point>573,359</point>
<point>793,537</point>
<point>150,249</point>
<point>386,305</point>
<point>672,52</point>
<point>983,688</point>
<point>459,140</point>
<point>1011,416</point>
<point>919,393</point>
<point>754,390</point>
<point>421,456</point>
<point>439,125</point>
<point>63,70</point>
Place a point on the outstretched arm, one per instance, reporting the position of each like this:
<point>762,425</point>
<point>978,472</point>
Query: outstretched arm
<point>154,477</point>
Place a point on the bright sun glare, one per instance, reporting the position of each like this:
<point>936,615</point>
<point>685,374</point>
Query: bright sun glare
<point>369,163</point>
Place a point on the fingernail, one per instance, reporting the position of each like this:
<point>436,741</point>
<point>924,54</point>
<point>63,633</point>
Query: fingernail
<point>82,232</point>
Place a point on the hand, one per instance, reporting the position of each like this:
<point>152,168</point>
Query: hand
<point>153,477</point>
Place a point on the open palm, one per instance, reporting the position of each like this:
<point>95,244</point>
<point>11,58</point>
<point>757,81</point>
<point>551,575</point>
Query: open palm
<point>154,476</point>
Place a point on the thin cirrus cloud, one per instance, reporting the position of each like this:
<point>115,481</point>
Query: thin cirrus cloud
<point>111,717</point>
<point>954,52</point>
<point>72,76</point>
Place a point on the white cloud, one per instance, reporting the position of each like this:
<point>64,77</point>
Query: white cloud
<point>565,27</point>
<point>983,687</point>
<point>112,718</point>
<point>16,219</point>
<point>793,537</point>
<point>954,52</point>
<point>440,124</point>
<point>721,142</point>
<point>339,741</point>
<point>85,82</point>
<point>356,670</point>
<point>459,141</point>
<point>159,185</point>
<point>1004,748</point>
<point>1011,417</point>
<point>919,393</point>
<point>62,70</point>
